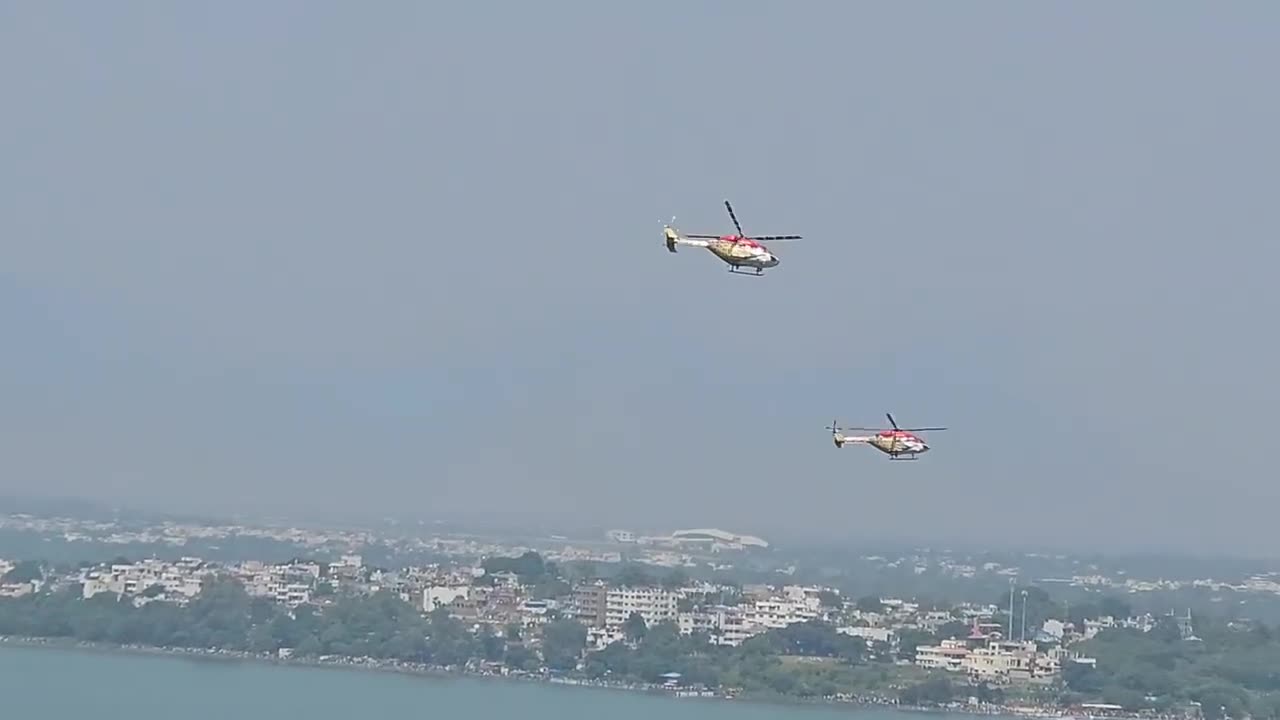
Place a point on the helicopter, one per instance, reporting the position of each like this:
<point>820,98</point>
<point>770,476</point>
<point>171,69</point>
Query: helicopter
<point>898,443</point>
<point>739,251</point>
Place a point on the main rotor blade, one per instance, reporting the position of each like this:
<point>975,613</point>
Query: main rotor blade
<point>892,422</point>
<point>775,238</point>
<point>733,217</point>
<point>923,429</point>
<point>703,237</point>
<point>864,429</point>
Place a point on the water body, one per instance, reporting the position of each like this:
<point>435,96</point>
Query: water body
<point>56,684</point>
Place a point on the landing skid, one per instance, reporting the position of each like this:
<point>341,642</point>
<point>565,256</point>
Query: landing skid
<point>903,458</point>
<point>734,270</point>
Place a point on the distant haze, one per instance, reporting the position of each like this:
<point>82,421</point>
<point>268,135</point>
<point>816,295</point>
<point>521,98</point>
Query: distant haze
<point>327,258</point>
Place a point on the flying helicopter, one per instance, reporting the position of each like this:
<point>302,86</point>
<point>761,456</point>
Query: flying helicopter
<point>898,443</point>
<point>739,251</point>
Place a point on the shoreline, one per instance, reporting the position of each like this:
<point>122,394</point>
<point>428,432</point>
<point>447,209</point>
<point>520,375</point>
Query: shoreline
<point>427,671</point>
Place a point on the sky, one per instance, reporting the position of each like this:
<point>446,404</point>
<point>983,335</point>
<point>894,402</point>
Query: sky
<point>325,257</point>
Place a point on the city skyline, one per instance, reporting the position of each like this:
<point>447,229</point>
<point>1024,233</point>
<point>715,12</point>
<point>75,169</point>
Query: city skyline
<point>322,260</point>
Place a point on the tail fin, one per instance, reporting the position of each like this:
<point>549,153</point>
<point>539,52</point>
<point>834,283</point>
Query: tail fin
<point>671,236</point>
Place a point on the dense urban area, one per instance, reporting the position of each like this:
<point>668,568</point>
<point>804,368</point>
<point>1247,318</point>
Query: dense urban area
<point>695,612</point>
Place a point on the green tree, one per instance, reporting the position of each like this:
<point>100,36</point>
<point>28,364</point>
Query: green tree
<point>1083,678</point>
<point>449,643</point>
<point>581,571</point>
<point>935,690</point>
<point>1115,607</point>
<point>830,599</point>
<point>549,587</point>
<point>492,647</point>
<point>520,657</point>
<point>952,630</point>
<point>812,639</point>
<point>869,604</point>
<point>909,639</point>
<point>634,627</point>
<point>530,566</point>
<point>675,579</point>
<point>562,644</point>
<point>25,571</point>
<point>633,575</point>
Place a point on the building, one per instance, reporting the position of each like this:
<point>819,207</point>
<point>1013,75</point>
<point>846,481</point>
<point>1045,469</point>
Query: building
<point>872,634</point>
<point>589,605</point>
<point>948,655</point>
<point>655,605</point>
<point>994,662</point>
<point>1001,662</point>
<point>438,596</point>
<point>717,539</point>
<point>776,613</point>
<point>726,625</point>
<point>293,595</point>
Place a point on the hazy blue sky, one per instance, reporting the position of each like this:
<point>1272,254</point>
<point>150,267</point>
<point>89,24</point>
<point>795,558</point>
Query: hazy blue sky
<point>407,257</point>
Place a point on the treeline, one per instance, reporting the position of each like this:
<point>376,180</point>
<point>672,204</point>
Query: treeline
<point>804,660</point>
<point>1231,669</point>
<point>224,616</point>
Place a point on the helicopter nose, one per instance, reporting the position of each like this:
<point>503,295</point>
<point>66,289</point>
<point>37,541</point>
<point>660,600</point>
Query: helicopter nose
<point>773,260</point>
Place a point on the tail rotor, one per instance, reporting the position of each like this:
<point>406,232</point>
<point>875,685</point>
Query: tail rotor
<point>834,427</point>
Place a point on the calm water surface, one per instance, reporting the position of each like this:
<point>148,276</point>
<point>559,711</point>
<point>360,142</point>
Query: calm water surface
<point>67,684</point>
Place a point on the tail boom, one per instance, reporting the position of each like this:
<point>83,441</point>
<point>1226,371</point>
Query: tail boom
<point>672,238</point>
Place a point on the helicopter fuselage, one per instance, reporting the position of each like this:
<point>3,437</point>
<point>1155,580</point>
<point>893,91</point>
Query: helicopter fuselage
<point>742,253</point>
<point>894,443</point>
<point>735,250</point>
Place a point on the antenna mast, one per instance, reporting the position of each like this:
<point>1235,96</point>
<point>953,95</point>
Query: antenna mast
<point>1011,584</point>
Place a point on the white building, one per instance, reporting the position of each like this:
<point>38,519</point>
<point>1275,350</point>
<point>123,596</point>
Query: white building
<point>655,605</point>
<point>438,596</point>
<point>948,655</point>
<point>871,634</point>
<point>996,662</point>
<point>776,613</point>
<point>293,594</point>
<point>726,625</point>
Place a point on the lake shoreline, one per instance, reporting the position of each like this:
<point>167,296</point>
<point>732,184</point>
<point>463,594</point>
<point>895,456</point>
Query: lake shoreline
<point>427,671</point>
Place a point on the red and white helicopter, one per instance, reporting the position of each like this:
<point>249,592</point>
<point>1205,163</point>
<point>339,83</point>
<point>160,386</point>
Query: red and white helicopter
<point>739,251</point>
<point>898,443</point>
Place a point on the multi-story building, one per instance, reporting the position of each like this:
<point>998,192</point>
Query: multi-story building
<point>1001,662</point>
<point>292,594</point>
<point>872,634</point>
<point>995,662</point>
<point>178,581</point>
<point>733,628</point>
<point>655,605</point>
<point>438,596</point>
<point>726,625</point>
<point>948,655</point>
<point>589,605</point>
<point>622,536</point>
<point>776,613</point>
